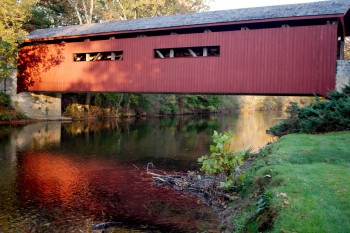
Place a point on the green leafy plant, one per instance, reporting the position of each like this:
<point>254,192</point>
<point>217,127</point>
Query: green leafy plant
<point>222,159</point>
<point>5,99</point>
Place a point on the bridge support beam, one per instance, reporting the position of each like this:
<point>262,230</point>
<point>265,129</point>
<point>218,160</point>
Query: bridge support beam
<point>41,106</point>
<point>343,74</point>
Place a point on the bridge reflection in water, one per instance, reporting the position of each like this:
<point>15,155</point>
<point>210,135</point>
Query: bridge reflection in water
<point>73,189</point>
<point>66,177</point>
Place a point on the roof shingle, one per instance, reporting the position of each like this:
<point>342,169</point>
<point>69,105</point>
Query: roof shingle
<point>236,15</point>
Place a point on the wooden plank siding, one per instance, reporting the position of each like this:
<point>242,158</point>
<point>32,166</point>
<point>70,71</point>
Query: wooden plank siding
<point>274,61</point>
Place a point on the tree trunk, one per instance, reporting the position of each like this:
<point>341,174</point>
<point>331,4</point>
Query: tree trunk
<point>88,98</point>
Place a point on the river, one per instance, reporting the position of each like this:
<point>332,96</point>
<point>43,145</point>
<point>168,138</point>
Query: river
<point>68,177</point>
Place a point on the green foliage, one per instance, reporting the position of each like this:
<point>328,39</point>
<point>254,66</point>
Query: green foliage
<point>152,104</point>
<point>264,202</point>
<point>108,99</point>
<point>291,190</point>
<point>13,15</point>
<point>11,115</point>
<point>222,160</point>
<point>170,105</point>
<point>51,13</point>
<point>140,101</point>
<point>200,103</point>
<point>5,99</point>
<point>321,116</point>
<point>262,216</point>
<point>245,182</point>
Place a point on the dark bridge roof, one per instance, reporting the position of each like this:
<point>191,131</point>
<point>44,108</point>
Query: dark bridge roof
<point>334,7</point>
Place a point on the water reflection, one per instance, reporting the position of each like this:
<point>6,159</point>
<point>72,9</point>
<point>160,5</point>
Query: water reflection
<point>79,188</point>
<point>66,177</point>
<point>250,129</point>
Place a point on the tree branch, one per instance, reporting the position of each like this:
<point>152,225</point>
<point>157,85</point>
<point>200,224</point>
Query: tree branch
<point>75,6</point>
<point>123,10</point>
<point>91,9</point>
<point>86,13</point>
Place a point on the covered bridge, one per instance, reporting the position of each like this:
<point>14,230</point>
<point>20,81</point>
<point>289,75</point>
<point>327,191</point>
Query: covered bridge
<point>275,50</point>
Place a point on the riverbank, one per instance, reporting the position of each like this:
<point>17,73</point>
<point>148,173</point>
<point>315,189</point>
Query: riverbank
<point>104,105</point>
<point>298,184</point>
<point>8,115</point>
<point>11,117</point>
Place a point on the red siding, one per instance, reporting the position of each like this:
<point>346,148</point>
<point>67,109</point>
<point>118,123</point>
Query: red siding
<point>294,60</point>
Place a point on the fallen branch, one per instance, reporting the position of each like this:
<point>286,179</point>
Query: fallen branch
<point>204,186</point>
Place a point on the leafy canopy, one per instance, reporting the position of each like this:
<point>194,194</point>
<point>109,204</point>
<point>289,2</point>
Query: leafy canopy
<point>13,15</point>
<point>69,12</point>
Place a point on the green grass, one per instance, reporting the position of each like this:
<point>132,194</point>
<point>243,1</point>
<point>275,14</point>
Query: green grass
<point>314,173</point>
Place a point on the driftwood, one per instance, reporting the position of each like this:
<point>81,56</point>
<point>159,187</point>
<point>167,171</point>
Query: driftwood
<point>206,187</point>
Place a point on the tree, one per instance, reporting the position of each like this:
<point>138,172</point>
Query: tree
<point>48,13</point>
<point>13,15</point>
<point>131,9</point>
<point>70,12</point>
<point>84,10</point>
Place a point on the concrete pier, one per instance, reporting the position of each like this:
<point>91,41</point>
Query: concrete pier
<point>343,74</point>
<point>41,106</point>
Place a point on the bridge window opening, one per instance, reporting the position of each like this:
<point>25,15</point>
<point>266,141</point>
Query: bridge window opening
<point>99,56</point>
<point>80,57</point>
<point>207,51</point>
<point>340,49</point>
<point>340,43</point>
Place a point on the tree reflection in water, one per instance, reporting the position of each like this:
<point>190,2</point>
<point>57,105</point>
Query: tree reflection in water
<point>67,177</point>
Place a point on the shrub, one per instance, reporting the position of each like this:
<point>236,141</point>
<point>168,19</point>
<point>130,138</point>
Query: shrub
<point>269,103</point>
<point>11,115</point>
<point>321,116</point>
<point>170,106</point>
<point>140,101</point>
<point>229,103</point>
<point>222,160</point>
<point>75,111</point>
<point>5,99</point>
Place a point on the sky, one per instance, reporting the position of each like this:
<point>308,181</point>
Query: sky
<point>232,4</point>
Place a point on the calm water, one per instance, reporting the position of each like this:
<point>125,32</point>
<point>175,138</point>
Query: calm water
<point>67,177</point>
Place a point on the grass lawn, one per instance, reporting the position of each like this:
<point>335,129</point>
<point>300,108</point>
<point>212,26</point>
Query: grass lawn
<point>310,183</point>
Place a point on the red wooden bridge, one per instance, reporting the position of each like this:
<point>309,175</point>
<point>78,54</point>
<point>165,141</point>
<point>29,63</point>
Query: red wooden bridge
<point>276,50</point>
